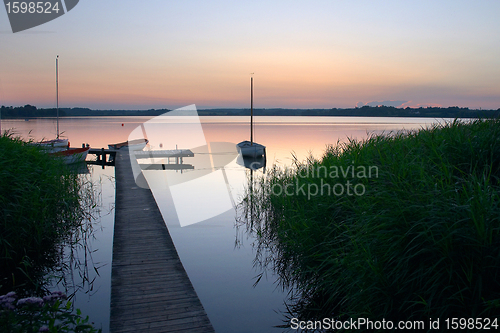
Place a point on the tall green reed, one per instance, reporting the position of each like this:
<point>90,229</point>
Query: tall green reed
<point>423,239</point>
<point>40,207</point>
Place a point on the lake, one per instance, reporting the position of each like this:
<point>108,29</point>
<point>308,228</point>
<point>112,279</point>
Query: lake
<point>218,257</point>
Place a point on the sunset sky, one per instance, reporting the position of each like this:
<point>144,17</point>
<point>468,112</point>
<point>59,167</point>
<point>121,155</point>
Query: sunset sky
<point>305,54</point>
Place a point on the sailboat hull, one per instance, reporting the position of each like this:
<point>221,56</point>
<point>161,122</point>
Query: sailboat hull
<point>249,149</point>
<point>72,155</point>
<point>53,145</point>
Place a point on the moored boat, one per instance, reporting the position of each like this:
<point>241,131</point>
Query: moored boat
<point>72,155</point>
<point>59,148</point>
<point>56,144</point>
<point>251,148</point>
<point>53,145</point>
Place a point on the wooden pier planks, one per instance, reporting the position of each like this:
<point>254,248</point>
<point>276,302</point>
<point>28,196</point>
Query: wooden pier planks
<point>163,153</point>
<point>150,290</point>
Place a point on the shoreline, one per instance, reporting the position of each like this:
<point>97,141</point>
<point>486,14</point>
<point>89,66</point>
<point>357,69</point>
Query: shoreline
<point>29,112</point>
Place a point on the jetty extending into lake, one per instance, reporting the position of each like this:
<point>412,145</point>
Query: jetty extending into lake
<point>106,157</point>
<point>150,290</point>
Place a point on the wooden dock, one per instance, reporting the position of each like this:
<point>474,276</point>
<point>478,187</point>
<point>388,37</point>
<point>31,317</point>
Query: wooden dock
<point>150,290</point>
<point>106,157</point>
<point>176,153</point>
<point>102,156</point>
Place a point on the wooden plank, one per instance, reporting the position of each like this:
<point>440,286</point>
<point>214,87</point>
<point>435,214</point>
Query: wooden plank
<point>166,166</point>
<point>99,150</point>
<point>163,153</point>
<point>150,290</point>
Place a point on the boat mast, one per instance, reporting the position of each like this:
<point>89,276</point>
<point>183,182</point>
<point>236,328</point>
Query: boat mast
<point>57,94</point>
<point>251,110</point>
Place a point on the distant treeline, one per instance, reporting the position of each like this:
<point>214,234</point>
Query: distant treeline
<point>29,111</point>
<point>365,111</point>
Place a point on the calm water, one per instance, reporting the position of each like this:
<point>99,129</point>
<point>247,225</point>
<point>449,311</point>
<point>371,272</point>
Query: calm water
<point>221,272</point>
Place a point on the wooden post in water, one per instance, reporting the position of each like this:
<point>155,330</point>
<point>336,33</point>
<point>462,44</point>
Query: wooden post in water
<point>103,156</point>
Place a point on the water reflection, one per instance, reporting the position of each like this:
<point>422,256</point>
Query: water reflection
<point>66,262</point>
<point>204,181</point>
<point>258,220</point>
<point>221,275</point>
<point>251,224</point>
<point>79,168</point>
<point>77,269</point>
<point>252,163</point>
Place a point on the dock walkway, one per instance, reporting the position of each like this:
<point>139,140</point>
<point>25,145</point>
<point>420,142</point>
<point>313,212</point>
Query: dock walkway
<point>150,290</point>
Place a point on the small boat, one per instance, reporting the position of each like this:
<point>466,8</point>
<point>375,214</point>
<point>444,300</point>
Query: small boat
<point>72,155</point>
<point>138,144</point>
<point>250,148</point>
<point>54,144</point>
<point>58,147</point>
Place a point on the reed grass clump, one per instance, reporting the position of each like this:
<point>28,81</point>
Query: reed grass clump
<point>39,206</point>
<point>419,239</point>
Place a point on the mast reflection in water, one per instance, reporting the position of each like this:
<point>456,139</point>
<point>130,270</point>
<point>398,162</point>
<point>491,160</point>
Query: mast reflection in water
<point>260,217</point>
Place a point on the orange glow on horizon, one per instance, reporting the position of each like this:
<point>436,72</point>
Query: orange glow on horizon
<point>283,78</point>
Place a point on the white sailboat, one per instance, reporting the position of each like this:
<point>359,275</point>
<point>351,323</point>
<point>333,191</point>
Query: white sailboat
<point>56,144</point>
<point>250,148</point>
<point>58,147</point>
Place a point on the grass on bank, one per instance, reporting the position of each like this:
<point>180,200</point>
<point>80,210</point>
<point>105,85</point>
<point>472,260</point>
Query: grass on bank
<point>42,210</point>
<point>422,241</point>
<point>39,206</point>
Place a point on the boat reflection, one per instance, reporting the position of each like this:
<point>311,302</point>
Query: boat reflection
<point>255,220</point>
<point>79,168</point>
<point>252,163</point>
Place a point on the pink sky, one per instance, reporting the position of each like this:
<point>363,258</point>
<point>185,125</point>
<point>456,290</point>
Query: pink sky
<point>317,54</point>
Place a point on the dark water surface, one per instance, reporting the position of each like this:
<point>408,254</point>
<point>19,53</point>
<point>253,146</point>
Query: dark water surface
<point>217,256</point>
